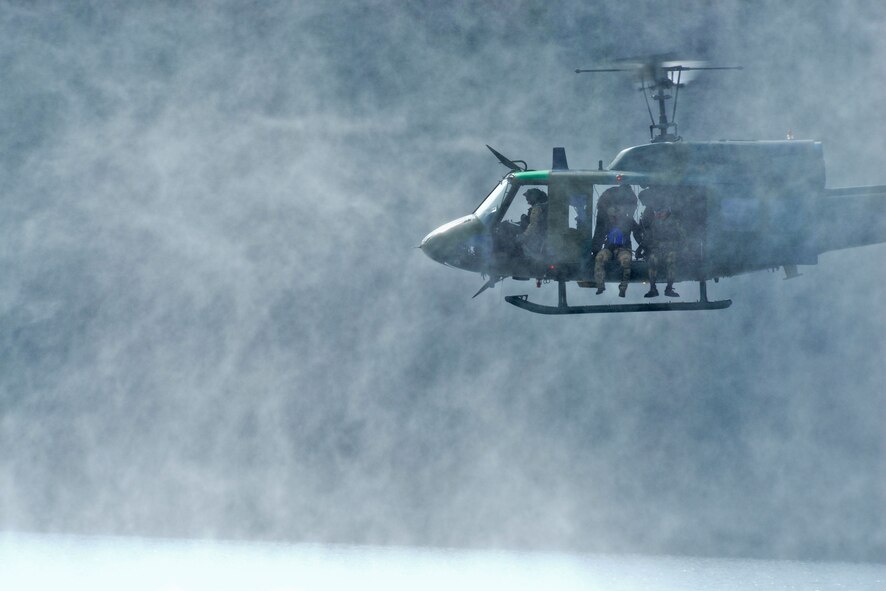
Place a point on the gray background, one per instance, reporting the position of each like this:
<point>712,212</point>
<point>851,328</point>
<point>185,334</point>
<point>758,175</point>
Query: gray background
<point>214,321</point>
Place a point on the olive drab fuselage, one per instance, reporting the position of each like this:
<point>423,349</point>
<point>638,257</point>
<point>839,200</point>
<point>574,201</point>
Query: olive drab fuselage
<point>742,206</point>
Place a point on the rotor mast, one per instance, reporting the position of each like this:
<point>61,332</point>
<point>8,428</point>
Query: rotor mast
<point>661,84</point>
<point>659,78</point>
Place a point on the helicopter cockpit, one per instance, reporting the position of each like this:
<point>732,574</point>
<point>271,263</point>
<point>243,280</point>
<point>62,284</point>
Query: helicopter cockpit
<point>518,236</point>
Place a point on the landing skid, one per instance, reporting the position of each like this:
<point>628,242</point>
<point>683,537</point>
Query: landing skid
<point>522,301</point>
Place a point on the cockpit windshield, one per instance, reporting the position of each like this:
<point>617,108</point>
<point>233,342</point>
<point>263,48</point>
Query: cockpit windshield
<point>492,204</point>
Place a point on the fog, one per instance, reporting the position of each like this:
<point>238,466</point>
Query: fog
<point>214,322</point>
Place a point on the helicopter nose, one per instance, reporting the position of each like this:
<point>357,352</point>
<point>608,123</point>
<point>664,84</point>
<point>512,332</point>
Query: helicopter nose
<point>449,244</point>
<point>432,245</point>
<point>438,244</point>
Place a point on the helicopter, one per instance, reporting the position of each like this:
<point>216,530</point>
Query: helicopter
<point>745,206</point>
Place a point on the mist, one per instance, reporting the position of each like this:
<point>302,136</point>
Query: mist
<point>214,322</point>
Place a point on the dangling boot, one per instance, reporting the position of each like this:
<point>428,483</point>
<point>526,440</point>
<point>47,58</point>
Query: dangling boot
<point>621,290</point>
<point>669,291</point>
<point>652,293</point>
<point>601,287</point>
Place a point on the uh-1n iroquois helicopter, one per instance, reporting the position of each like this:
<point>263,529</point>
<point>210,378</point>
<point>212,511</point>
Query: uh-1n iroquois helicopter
<point>743,205</point>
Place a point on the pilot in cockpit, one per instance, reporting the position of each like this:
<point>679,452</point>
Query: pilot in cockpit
<point>534,222</point>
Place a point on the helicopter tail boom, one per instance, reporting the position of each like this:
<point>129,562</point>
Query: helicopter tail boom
<point>854,216</point>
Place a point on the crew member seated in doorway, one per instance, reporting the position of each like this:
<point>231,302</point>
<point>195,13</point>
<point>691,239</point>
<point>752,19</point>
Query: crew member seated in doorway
<point>612,235</point>
<point>663,238</point>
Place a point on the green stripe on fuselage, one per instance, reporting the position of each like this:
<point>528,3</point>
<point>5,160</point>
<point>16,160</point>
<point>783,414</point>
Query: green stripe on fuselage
<point>532,176</point>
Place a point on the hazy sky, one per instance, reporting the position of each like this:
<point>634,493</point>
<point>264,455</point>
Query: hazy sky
<point>214,320</point>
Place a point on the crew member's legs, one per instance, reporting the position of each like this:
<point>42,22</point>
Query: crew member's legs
<point>603,257</point>
<point>624,259</point>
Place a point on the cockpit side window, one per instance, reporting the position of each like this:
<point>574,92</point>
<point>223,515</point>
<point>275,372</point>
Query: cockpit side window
<point>517,207</point>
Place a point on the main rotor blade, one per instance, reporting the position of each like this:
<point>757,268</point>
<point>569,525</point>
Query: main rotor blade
<point>580,71</point>
<point>688,68</point>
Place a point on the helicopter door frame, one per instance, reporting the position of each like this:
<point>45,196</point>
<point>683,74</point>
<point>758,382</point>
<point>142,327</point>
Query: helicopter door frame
<point>568,245</point>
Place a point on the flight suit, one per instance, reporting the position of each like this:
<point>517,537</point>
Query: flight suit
<point>623,256</point>
<point>532,238</point>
